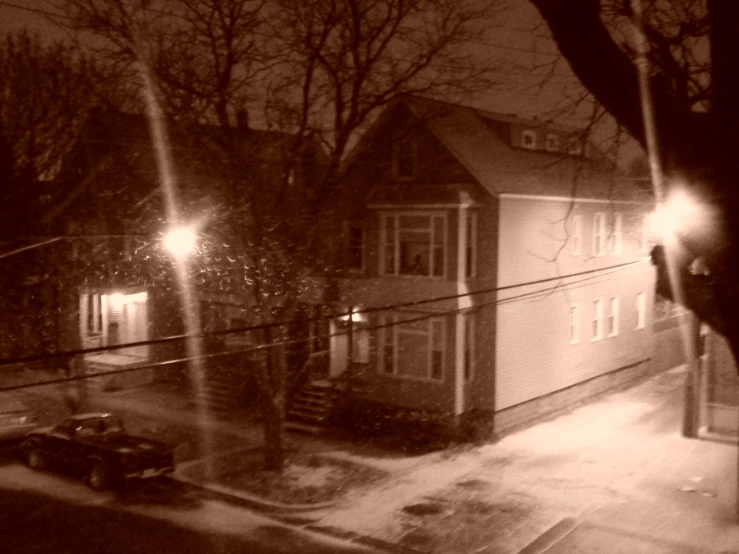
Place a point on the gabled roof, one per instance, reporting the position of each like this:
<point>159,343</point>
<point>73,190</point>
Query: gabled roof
<point>481,141</point>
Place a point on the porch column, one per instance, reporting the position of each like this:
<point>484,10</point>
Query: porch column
<point>463,302</point>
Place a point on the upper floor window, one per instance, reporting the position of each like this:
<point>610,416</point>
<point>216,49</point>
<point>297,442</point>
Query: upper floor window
<point>471,246</point>
<point>404,158</point>
<point>552,142</point>
<point>414,244</point>
<point>616,238</point>
<point>575,148</point>
<point>353,246</point>
<point>528,138</point>
<point>576,235</point>
<point>599,233</point>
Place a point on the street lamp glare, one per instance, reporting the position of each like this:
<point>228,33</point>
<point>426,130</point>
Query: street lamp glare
<point>677,215</point>
<point>180,241</point>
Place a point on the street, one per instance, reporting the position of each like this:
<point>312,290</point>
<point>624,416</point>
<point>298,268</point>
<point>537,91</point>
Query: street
<point>46,512</point>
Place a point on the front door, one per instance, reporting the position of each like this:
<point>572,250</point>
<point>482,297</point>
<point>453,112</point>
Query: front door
<point>339,344</point>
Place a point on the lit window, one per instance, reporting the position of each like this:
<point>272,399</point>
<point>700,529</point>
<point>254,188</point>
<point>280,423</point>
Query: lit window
<point>528,138</point>
<point>413,349</point>
<point>597,329</point>
<point>552,142</point>
<point>641,310</point>
<point>574,324</point>
<point>599,233</point>
<point>471,246</point>
<point>404,159</point>
<point>576,235</point>
<point>613,316</point>
<point>353,246</point>
<point>616,237</point>
<point>469,346</point>
<point>413,244</point>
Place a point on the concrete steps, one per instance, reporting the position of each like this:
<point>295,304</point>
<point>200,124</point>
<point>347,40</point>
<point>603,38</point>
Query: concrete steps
<point>311,408</point>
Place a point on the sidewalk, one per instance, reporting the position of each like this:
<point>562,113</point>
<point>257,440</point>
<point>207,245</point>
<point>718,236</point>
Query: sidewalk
<point>612,476</point>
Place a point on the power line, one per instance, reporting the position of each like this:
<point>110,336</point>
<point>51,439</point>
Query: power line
<point>302,340</point>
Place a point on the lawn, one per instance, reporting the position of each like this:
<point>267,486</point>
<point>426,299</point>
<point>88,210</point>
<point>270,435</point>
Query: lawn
<point>307,478</point>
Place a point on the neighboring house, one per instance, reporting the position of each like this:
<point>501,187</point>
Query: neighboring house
<point>525,231</point>
<point>111,204</point>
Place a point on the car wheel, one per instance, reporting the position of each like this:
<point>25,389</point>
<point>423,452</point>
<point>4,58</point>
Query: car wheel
<point>35,459</point>
<point>97,476</point>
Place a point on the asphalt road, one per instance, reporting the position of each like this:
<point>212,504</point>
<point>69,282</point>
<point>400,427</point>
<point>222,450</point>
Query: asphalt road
<point>45,512</point>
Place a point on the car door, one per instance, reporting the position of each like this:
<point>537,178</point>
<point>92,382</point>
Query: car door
<point>57,443</point>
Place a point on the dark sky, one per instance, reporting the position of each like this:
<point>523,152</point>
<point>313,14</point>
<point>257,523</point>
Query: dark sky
<point>518,42</point>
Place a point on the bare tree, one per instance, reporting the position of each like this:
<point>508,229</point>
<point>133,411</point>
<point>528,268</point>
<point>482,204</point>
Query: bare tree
<point>315,72</point>
<point>691,48</point>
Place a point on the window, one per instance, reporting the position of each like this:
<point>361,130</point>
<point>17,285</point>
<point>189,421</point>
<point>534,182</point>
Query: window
<point>552,142</point>
<point>360,343</point>
<point>575,148</point>
<point>616,237</point>
<point>576,235</point>
<point>641,310</point>
<point>471,245</point>
<point>94,314</point>
<point>404,158</point>
<point>613,315</point>
<point>412,349</point>
<point>528,138</point>
<point>469,346</point>
<point>354,246</point>
<point>574,324</point>
<point>599,233</point>
<point>413,244</point>
<point>597,330</point>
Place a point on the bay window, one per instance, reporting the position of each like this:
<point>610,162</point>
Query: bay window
<point>412,349</point>
<point>414,244</point>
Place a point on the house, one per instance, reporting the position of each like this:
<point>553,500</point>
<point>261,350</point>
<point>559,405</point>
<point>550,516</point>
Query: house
<point>112,206</point>
<point>535,248</point>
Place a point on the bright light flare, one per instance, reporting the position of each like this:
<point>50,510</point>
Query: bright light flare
<point>180,241</point>
<point>679,214</point>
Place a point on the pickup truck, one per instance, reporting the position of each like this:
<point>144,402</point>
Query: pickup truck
<point>96,447</point>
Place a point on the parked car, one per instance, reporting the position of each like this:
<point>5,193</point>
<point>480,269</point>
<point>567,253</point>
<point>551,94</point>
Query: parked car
<point>96,447</point>
<point>16,417</point>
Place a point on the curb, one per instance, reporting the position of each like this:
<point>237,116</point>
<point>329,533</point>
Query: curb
<point>551,536</point>
<point>304,522</point>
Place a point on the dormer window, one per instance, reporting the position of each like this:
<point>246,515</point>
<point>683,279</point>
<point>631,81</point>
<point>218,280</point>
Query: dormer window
<point>528,138</point>
<point>404,159</point>
<point>552,142</point>
<point>575,148</point>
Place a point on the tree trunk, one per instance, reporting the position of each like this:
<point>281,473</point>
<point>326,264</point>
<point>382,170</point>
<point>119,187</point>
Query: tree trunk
<point>272,384</point>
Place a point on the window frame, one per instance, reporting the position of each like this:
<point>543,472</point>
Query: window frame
<point>614,316</point>
<point>391,336</point>
<point>412,154</point>
<point>395,216</point>
<point>347,246</point>
<point>574,323</point>
<point>617,233</point>
<point>599,233</point>
<point>576,235</point>
<point>552,142</point>
<point>641,310</point>
<point>597,320</point>
<point>530,134</point>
